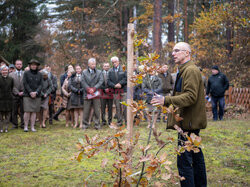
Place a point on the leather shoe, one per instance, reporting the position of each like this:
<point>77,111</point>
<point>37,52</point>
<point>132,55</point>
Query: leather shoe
<point>55,118</point>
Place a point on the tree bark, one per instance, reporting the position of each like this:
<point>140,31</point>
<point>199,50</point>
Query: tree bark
<point>178,21</point>
<point>195,8</point>
<point>229,36</point>
<point>157,26</point>
<point>185,22</point>
<point>171,22</point>
<point>129,100</point>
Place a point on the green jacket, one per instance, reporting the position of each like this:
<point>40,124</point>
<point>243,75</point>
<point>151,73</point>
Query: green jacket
<point>189,97</point>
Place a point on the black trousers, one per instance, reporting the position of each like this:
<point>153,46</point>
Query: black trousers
<point>191,166</point>
<point>51,111</point>
<point>107,103</point>
<point>17,110</point>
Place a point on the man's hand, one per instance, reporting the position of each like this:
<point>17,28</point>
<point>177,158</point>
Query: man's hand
<point>157,100</point>
<point>91,91</point>
<point>118,85</point>
<point>20,93</point>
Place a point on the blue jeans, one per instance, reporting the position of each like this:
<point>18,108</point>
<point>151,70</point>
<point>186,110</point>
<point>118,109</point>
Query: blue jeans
<point>191,166</point>
<point>215,101</point>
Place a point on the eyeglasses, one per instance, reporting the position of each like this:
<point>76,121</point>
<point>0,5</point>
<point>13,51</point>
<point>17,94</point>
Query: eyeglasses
<point>177,50</point>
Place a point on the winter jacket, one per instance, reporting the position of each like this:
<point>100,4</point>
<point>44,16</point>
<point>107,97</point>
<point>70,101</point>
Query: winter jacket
<point>77,90</point>
<point>217,85</point>
<point>46,88</point>
<point>189,97</point>
<point>120,78</point>
<point>167,82</point>
<point>94,80</point>
<point>6,99</point>
<point>32,82</point>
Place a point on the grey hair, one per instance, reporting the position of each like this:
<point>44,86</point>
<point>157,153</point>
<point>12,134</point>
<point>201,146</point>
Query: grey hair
<point>44,72</point>
<point>91,60</point>
<point>3,67</point>
<point>114,58</point>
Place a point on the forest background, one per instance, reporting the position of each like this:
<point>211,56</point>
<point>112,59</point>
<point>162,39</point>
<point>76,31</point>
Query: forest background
<point>61,32</point>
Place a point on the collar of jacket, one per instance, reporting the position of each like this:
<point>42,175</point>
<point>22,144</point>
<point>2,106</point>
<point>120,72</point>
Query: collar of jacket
<point>182,67</point>
<point>92,70</point>
<point>216,74</point>
<point>18,71</point>
<point>118,68</point>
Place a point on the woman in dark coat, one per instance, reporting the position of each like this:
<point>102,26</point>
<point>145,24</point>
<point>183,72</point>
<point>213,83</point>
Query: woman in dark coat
<point>46,90</point>
<point>76,97</point>
<point>6,87</point>
<point>32,82</point>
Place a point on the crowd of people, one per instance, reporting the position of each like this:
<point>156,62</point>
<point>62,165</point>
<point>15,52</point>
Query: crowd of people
<point>86,94</point>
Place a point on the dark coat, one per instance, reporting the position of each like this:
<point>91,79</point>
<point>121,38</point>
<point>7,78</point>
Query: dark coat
<point>54,83</point>
<point>107,91</point>
<point>167,83</point>
<point>54,86</point>
<point>105,80</point>
<point>137,95</point>
<point>121,78</point>
<point>46,88</point>
<point>32,82</point>
<point>217,85</point>
<point>6,98</point>
<point>89,80</point>
<point>77,90</point>
<point>151,86</point>
<point>189,97</point>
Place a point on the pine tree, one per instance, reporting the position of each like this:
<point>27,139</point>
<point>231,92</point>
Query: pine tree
<point>18,21</point>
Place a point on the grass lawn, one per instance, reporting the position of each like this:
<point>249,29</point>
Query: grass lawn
<point>44,158</point>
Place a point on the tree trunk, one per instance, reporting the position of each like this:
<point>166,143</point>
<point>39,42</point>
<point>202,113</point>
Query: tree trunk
<point>171,22</point>
<point>229,36</point>
<point>157,24</point>
<point>178,21</point>
<point>125,22</point>
<point>195,8</point>
<point>185,22</point>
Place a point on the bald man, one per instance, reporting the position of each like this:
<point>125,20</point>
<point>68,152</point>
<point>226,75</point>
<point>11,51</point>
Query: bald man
<point>188,96</point>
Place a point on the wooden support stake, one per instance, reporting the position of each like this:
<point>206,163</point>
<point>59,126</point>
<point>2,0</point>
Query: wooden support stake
<point>130,64</point>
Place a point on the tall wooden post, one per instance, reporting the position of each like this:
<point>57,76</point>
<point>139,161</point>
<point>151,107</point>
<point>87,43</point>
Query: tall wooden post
<point>130,64</point>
